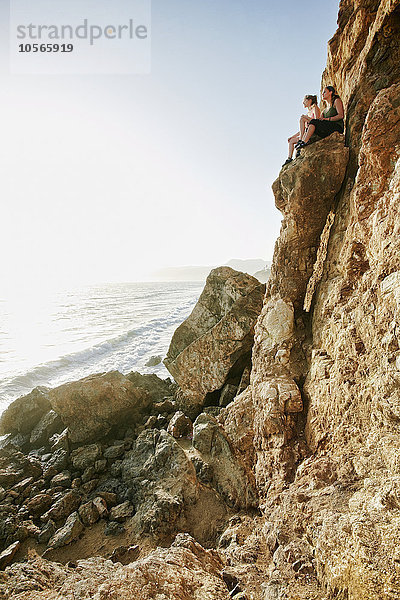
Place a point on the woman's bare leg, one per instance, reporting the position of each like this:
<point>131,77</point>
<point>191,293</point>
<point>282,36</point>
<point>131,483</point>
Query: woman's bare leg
<point>303,123</point>
<point>292,141</point>
<point>309,132</point>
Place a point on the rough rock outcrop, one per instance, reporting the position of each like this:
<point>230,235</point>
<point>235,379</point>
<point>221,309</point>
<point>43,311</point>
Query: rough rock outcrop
<point>305,193</point>
<point>212,347</point>
<point>185,571</point>
<point>91,406</point>
<point>325,380</point>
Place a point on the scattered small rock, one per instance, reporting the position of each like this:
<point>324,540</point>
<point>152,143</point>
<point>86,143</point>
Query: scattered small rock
<point>66,505</point>
<point>115,451</point>
<point>39,504</point>
<point>101,507</point>
<point>153,361</point>
<point>122,511</point>
<point>62,479</point>
<point>60,441</point>
<point>68,533</point>
<point>85,456</point>
<point>89,513</point>
<point>114,528</point>
<point>47,532</point>
<point>180,425</point>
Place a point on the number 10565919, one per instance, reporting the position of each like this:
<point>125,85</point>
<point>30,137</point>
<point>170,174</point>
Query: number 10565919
<point>45,48</point>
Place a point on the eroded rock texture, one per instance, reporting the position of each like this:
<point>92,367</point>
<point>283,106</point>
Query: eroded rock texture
<point>325,383</point>
<point>296,483</point>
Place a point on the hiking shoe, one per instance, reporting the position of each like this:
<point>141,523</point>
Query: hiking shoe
<point>300,144</point>
<point>287,161</point>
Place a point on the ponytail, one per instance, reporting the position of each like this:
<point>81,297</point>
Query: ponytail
<point>313,99</point>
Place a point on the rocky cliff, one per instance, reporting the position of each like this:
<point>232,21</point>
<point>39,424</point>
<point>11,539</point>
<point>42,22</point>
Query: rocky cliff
<point>289,489</point>
<point>327,341</point>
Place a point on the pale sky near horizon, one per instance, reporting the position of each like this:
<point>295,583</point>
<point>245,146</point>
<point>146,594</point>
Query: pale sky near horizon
<point>112,177</point>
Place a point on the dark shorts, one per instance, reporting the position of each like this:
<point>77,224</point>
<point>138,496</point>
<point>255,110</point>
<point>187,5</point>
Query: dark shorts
<point>325,128</point>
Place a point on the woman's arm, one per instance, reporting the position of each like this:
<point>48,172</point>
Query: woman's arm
<point>338,104</point>
<point>317,112</point>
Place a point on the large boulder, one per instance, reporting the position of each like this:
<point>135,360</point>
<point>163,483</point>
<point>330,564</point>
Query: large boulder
<point>91,406</point>
<point>212,347</point>
<point>25,412</point>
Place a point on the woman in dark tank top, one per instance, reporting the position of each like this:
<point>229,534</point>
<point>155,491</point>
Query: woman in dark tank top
<point>332,118</point>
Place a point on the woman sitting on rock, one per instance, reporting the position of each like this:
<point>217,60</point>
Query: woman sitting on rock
<point>332,119</point>
<point>313,112</point>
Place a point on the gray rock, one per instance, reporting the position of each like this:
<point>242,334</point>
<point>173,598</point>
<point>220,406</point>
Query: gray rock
<point>153,361</point>
<point>47,532</point>
<point>100,466</point>
<point>18,441</point>
<point>229,474</point>
<point>86,456</point>
<point>114,528</point>
<point>122,511</point>
<point>88,474</point>
<point>57,462</point>
<point>204,471</point>
<point>161,479</point>
<point>115,469</point>
<point>114,451</point>
<point>60,441</point>
<point>68,533</point>
<point>160,512</point>
<point>228,393</point>
<point>48,425</point>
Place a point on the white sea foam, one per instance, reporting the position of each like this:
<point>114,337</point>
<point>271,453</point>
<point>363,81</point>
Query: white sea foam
<point>87,331</point>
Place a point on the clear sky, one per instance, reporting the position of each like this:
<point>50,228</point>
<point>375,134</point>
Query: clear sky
<point>111,177</point>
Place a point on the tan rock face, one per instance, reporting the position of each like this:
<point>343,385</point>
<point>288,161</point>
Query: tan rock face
<point>305,193</point>
<point>91,406</point>
<point>213,345</point>
<point>329,474</point>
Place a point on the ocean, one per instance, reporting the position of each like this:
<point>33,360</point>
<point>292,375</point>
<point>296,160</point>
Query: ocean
<point>51,338</point>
